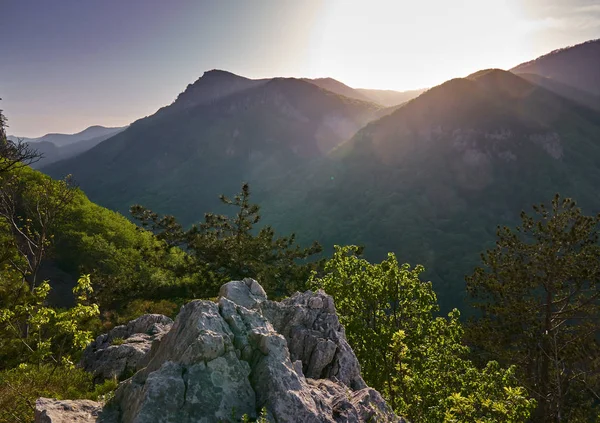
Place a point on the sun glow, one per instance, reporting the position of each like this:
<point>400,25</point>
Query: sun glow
<point>415,44</point>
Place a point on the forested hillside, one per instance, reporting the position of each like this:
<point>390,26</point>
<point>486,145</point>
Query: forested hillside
<point>432,180</point>
<point>255,134</point>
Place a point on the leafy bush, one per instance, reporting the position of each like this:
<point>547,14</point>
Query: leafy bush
<point>414,359</point>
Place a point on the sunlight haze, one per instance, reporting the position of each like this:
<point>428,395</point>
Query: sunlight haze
<point>110,63</point>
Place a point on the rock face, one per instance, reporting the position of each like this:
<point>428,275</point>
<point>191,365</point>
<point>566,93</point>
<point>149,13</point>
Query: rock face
<point>55,411</point>
<point>123,350</point>
<point>220,361</point>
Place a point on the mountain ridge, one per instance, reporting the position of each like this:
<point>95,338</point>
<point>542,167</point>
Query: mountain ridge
<point>60,139</point>
<point>250,134</point>
<point>576,66</point>
<point>431,180</point>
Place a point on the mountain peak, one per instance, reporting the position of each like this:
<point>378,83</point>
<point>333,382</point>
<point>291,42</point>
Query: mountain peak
<point>213,85</point>
<point>219,73</point>
<point>502,82</point>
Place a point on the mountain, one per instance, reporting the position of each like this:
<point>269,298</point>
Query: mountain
<point>432,180</point>
<point>212,86</point>
<point>386,98</point>
<point>51,153</point>
<point>390,97</point>
<point>338,87</point>
<point>575,66</point>
<point>61,140</point>
<point>222,130</point>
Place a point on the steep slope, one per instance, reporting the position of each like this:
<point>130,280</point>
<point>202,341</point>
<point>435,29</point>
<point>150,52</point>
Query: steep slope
<point>88,238</point>
<point>390,97</point>
<point>576,66</point>
<point>433,179</point>
<point>213,85</point>
<point>206,143</point>
<point>572,93</point>
<point>61,140</point>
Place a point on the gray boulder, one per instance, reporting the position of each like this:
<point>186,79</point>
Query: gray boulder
<point>220,361</point>
<point>125,349</point>
<point>247,293</point>
<point>49,410</point>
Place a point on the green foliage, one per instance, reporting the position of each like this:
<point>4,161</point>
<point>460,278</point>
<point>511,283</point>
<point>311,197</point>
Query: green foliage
<point>225,248</point>
<point>540,308</point>
<point>74,236</point>
<point>34,333</point>
<point>21,386</point>
<point>122,259</point>
<point>139,307</point>
<point>262,417</point>
<point>30,207</point>
<point>414,359</point>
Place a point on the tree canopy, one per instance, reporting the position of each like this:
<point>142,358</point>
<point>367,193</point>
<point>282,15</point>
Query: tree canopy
<point>416,360</point>
<point>539,297</point>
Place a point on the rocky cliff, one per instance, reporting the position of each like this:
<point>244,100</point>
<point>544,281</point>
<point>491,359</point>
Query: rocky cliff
<point>220,361</point>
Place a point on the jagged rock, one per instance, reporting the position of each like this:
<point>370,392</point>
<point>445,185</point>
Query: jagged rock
<point>106,360</point>
<point>247,293</point>
<point>49,410</point>
<point>220,361</point>
<point>315,336</point>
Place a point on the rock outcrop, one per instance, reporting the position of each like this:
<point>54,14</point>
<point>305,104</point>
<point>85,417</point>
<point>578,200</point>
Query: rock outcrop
<point>221,361</point>
<point>122,351</point>
<point>55,411</point>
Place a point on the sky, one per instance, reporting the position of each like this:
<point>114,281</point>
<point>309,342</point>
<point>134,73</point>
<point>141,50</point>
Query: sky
<point>69,64</point>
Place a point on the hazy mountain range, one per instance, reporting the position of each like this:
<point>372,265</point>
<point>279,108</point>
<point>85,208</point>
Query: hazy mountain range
<point>426,174</point>
<point>55,147</point>
<point>224,129</point>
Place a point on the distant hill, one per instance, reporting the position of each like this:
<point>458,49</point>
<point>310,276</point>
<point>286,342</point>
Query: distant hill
<point>340,88</point>
<point>51,153</point>
<point>386,98</point>
<point>432,180</point>
<point>390,97</point>
<point>222,130</point>
<point>61,140</point>
<point>577,66</point>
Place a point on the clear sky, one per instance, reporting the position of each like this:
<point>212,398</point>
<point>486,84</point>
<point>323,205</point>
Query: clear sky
<point>69,64</point>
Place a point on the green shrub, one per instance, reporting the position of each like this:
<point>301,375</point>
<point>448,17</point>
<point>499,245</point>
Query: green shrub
<point>21,386</point>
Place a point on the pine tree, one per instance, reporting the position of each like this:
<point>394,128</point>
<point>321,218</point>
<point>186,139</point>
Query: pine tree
<point>231,247</point>
<point>538,293</point>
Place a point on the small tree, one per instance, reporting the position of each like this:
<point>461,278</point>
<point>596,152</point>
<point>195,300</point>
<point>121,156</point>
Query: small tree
<point>14,154</point>
<point>232,248</point>
<point>538,292</point>
<point>54,336</point>
<point>414,359</point>
<point>30,208</point>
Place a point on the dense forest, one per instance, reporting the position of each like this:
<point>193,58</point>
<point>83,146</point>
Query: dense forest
<point>71,269</point>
